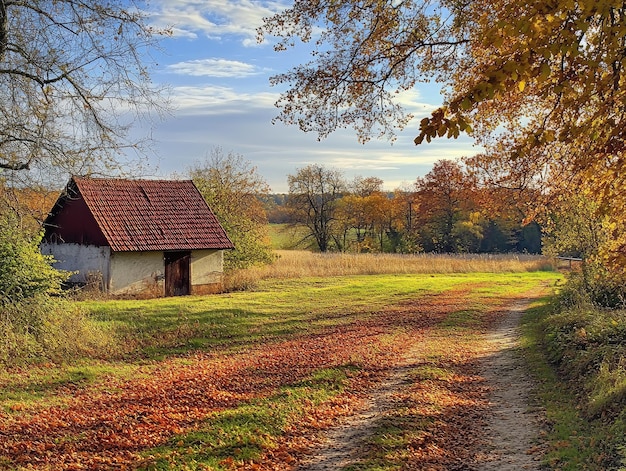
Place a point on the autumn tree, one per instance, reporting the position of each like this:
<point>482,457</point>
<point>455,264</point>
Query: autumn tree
<point>30,205</point>
<point>366,186</point>
<point>540,84</point>
<point>446,201</point>
<point>384,221</point>
<point>406,208</point>
<point>356,209</point>
<point>366,52</point>
<point>573,230</point>
<point>444,211</point>
<point>353,219</point>
<point>314,194</point>
<point>73,77</point>
<point>235,191</point>
<point>508,212</point>
<point>469,233</point>
<point>275,208</point>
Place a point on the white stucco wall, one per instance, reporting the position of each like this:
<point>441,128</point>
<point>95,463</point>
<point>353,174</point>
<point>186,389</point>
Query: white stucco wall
<point>89,261</point>
<point>137,272</point>
<point>132,272</point>
<point>207,267</point>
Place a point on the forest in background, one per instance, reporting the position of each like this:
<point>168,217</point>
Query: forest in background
<point>445,211</point>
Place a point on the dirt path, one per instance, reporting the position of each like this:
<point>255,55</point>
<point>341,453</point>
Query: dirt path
<point>513,423</point>
<point>508,426</point>
<point>344,444</point>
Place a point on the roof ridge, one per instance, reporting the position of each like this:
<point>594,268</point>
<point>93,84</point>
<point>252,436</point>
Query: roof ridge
<point>131,218</point>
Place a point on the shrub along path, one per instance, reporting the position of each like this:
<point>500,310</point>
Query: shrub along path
<point>411,381</point>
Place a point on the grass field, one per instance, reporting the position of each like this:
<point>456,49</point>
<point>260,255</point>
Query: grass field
<point>236,380</point>
<point>285,237</point>
<point>292,264</point>
<point>247,379</point>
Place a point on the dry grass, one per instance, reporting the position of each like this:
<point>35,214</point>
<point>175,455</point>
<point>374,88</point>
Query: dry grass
<point>300,264</point>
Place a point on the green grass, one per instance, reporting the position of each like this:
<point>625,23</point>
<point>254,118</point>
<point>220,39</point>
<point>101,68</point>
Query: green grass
<point>244,434</point>
<point>579,435</point>
<point>280,308</point>
<point>285,237</point>
<point>149,330</point>
<point>169,328</point>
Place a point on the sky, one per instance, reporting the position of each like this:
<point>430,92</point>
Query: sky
<point>218,75</point>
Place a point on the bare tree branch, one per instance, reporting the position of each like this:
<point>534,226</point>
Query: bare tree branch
<point>72,78</point>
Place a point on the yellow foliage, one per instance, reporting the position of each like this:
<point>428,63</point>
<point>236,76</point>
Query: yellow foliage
<point>540,84</point>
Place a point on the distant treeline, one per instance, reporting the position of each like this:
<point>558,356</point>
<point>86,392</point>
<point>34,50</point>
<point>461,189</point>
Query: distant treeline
<point>445,212</point>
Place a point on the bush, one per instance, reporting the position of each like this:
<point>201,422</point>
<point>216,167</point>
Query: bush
<point>42,328</point>
<point>252,246</point>
<point>587,345</point>
<point>593,285</point>
<point>36,323</point>
<point>24,271</point>
<point>234,190</point>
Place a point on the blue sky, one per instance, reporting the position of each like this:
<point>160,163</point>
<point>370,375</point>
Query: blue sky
<point>219,80</point>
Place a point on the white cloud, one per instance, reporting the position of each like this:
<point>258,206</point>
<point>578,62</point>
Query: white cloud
<point>213,99</point>
<point>214,67</point>
<point>219,116</point>
<point>413,100</point>
<point>213,18</point>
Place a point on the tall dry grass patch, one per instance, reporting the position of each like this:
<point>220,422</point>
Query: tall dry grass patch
<point>302,264</point>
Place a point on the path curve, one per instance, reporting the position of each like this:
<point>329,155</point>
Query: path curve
<point>512,424</point>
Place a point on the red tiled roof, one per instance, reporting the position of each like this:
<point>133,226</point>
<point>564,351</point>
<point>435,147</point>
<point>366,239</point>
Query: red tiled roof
<point>143,215</point>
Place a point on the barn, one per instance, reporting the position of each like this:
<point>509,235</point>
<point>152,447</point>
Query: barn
<point>156,237</point>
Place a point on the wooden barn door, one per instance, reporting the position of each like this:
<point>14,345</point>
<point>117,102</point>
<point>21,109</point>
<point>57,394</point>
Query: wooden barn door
<point>177,273</point>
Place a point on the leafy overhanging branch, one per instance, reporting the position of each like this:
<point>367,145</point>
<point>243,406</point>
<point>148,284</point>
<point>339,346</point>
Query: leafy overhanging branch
<point>540,84</point>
